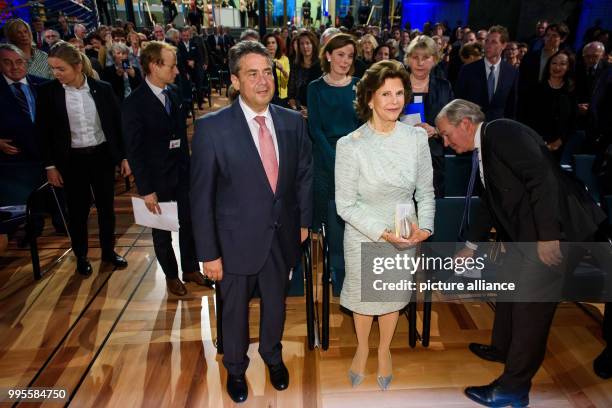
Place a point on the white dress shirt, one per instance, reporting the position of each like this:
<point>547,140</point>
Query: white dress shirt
<point>478,145</point>
<point>250,115</point>
<point>158,92</point>
<point>85,125</point>
<point>488,66</point>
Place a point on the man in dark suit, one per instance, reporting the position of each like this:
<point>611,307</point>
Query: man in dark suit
<point>19,151</point>
<point>158,152</point>
<point>251,194</point>
<point>490,82</point>
<point>217,47</point>
<point>528,200</point>
<point>588,72</point>
<point>17,106</point>
<point>190,60</point>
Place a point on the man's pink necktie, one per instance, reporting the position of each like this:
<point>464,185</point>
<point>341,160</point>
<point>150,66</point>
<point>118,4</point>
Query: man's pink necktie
<point>267,152</point>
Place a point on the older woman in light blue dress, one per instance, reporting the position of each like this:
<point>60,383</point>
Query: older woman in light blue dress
<point>378,166</point>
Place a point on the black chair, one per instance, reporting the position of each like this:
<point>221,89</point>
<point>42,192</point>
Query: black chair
<point>457,172</point>
<point>302,280</point>
<point>332,237</point>
<point>447,223</point>
<point>23,216</point>
<point>583,169</point>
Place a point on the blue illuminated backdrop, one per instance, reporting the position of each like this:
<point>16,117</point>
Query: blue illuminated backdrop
<point>417,12</point>
<point>22,12</point>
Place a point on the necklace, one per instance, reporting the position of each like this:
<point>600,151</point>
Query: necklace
<point>342,82</point>
<point>419,85</point>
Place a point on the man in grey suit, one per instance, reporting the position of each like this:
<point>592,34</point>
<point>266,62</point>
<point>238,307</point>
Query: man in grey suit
<point>251,197</point>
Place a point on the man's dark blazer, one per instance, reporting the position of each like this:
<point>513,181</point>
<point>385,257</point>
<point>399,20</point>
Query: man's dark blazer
<point>53,126</point>
<point>234,211</point>
<point>193,53</point>
<point>585,83</point>
<point>148,130</point>
<point>471,85</point>
<point>202,45</point>
<point>528,198</point>
<point>16,124</point>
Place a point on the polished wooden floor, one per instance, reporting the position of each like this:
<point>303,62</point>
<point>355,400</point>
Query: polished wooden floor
<point>118,339</point>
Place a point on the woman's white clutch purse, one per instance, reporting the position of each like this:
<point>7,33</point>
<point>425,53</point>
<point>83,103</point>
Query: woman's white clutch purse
<point>405,216</point>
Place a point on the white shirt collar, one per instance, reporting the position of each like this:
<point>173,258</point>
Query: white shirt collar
<point>489,65</point>
<point>156,89</point>
<point>477,138</point>
<point>11,82</point>
<point>250,114</point>
<point>84,87</point>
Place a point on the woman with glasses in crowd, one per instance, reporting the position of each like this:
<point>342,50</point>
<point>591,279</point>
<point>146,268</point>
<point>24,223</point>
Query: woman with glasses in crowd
<point>430,93</point>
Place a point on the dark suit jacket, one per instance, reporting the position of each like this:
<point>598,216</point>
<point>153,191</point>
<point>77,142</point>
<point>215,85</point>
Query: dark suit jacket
<point>16,124</point>
<point>528,198</point>
<point>193,53</point>
<point>234,211</point>
<point>472,86</point>
<point>53,127</point>
<point>148,130</point>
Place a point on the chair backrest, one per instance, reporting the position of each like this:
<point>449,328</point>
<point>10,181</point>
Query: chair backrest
<point>457,170</point>
<point>18,180</point>
<point>583,169</point>
<point>449,213</point>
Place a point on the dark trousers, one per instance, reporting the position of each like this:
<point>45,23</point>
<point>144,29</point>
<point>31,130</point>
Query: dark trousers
<point>520,332</point>
<point>236,291</point>
<point>522,323</point>
<point>87,172</point>
<point>162,240</point>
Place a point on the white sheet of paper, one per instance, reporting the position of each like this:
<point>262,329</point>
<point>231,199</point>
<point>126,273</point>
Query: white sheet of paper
<point>411,119</point>
<point>167,220</point>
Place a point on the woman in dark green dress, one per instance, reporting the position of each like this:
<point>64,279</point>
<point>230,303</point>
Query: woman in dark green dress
<point>331,115</point>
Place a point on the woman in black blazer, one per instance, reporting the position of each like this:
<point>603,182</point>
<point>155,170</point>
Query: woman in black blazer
<point>433,92</point>
<point>79,127</point>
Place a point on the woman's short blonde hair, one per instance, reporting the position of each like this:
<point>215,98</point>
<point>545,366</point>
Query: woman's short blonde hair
<point>11,27</point>
<point>373,79</point>
<point>369,38</point>
<point>423,42</point>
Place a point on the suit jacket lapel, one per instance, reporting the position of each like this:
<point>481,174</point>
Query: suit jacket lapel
<point>281,140</point>
<point>246,139</point>
<point>94,91</point>
<point>60,102</point>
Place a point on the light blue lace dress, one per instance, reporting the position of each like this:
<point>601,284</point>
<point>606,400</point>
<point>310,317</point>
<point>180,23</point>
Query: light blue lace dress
<point>375,172</point>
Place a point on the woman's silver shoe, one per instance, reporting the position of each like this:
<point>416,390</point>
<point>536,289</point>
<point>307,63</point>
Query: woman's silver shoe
<point>355,378</point>
<point>383,382</point>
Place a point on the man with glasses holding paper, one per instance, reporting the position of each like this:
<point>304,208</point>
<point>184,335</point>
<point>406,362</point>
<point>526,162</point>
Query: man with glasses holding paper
<point>157,149</point>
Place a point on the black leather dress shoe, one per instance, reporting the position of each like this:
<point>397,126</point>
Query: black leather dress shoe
<point>603,364</point>
<point>115,259</point>
<point>279,376</point>
<point>83,266</point>
<point>493,395</point>
<point>237,388</point>
<point>485,352</point>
